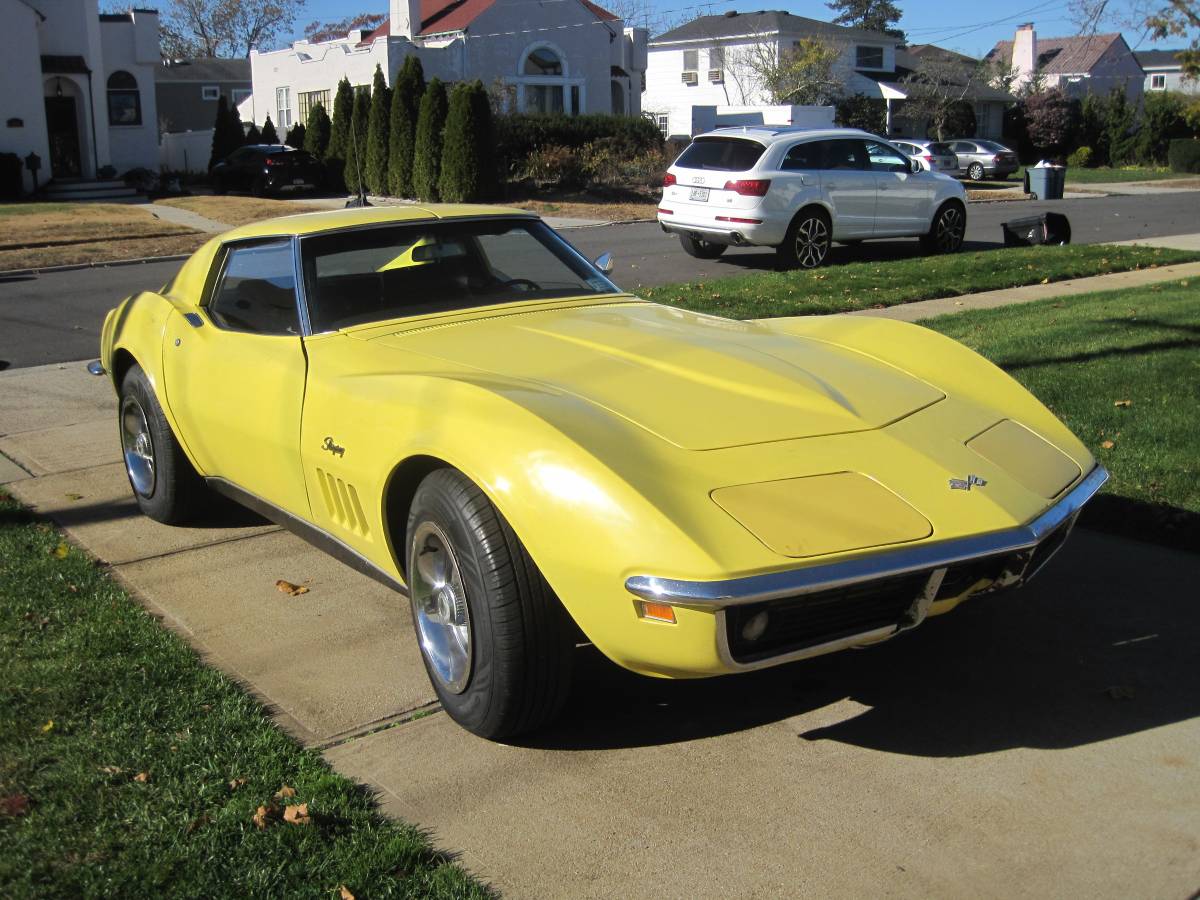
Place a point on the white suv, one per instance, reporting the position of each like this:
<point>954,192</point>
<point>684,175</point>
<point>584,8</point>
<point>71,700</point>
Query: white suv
<point>799,189</point>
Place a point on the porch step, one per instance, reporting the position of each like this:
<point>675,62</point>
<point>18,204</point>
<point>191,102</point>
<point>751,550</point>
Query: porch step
<point>108,189</point>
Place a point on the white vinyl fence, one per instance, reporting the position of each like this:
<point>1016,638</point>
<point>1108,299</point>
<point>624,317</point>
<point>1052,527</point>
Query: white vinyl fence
<point>185,151</point>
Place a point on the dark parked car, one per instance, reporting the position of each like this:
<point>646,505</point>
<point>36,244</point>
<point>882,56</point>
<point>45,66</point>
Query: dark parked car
<point>267,169</point>
<point>984,159</point>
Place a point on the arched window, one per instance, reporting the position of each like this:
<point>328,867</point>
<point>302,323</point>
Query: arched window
<point>124,101</point>
<point>543,61</point>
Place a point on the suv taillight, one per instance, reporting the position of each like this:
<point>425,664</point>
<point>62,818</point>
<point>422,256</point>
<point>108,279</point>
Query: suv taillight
<point>668,180</point>
<point>272,161</point>
<point>753,188</point>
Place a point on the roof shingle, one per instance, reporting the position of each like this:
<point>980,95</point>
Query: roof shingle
<point>1063,56</point>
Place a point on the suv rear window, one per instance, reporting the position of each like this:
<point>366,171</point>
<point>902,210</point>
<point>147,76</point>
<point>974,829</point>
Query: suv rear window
<point>721,154</point>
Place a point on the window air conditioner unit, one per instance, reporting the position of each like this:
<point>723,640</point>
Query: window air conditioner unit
<point>690,78</point>
<point>716,75</point>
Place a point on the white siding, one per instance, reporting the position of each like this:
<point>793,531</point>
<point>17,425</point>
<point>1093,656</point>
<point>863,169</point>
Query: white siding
<point>21,67</point>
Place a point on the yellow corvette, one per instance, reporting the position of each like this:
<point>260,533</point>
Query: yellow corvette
<point>456,402</point>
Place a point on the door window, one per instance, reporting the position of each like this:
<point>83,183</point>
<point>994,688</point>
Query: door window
<point>885,159</point>
<point>808,155</point>
<point>256,292</point>
<point>964,147</point>
<point>845,154</point>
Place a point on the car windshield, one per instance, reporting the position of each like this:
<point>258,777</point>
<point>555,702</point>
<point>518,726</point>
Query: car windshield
<point>720,154</point>
<point>373,274</point>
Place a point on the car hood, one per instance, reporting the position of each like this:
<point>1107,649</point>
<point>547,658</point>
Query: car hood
<point>699,382</point>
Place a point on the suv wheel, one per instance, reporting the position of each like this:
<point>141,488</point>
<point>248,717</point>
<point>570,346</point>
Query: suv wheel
<point>975,171</point>
<point>946,233</point>
<point>807,242</point>
<point>700,249</point>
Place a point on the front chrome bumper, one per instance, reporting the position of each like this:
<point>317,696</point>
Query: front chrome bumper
<point>931,561</point>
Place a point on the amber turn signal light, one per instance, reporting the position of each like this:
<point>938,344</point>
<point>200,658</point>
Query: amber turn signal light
<point>660,612</point>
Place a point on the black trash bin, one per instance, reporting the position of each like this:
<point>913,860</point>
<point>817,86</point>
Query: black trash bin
<point>1048,228</point>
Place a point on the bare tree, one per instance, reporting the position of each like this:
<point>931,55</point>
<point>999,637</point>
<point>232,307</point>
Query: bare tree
<point>328,31</point>
<point>937,90</point>
<point>226,27</point>
<point>765,71</point>
<point>1155,19</point>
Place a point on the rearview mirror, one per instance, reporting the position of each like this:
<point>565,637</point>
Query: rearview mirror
<point>604,262</point>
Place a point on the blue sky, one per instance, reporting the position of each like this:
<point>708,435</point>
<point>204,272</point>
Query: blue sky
<point>965,27</point>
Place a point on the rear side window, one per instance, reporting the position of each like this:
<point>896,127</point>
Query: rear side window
<point>808,155</point>
<point>845,153</point>
<point>256,292</point>
<point>721,154</point>
<point>941,149</point>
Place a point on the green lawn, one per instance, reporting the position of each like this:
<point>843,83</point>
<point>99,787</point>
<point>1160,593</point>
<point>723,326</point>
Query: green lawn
<point>1085,356</point>
<point>869,284</point>
<point>128,769</point>
<point>1108,174</point>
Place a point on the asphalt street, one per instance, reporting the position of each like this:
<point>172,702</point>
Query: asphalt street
<point>56,317</point>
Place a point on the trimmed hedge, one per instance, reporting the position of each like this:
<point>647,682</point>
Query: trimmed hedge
<point>1183,155</point>
<point>519,135</point>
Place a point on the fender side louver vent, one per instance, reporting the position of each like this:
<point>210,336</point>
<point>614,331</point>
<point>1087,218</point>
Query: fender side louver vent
<point>341,501</point>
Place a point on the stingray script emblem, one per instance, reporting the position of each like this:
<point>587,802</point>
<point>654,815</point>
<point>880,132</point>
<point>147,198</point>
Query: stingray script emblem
<point>333,448</point>
<point>965,484</point>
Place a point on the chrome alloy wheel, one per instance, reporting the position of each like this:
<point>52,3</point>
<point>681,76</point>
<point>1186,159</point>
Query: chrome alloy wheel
<point>137,446</point>
<point>439,603</point>
<point>950,229</point>
<point>812,242</point>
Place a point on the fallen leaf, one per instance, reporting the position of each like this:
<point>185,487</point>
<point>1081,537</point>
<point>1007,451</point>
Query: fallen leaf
<point>1122,402</point>
<point>71,495</point>
<point>236,783</point>
<point>292,590</point>
<point>141,777</point>
<point>49,726</point>
<point>111,770</point>
<point>1045,281</point>
<point>14,805</point>
<point>297,815</point>
<point>200,822</point>
<point>344,893</point>
<point>285,792</point>
<point>1107,445</point>
<point>60,552</point>
<point>265,815</point>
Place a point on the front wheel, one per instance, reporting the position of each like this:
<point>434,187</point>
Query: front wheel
<point>946,233</point>
<point>807,241</point>
<point>165,485</point>
<point>495,640</point>
<point>975,172</point>
<point>700,249</point>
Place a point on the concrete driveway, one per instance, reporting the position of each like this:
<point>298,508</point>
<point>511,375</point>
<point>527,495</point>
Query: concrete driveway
<point>1040,743</point>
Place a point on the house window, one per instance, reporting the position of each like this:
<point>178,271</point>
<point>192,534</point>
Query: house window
<point>210,92</point>
<point>664,125</point>
<point>283,107</point>
<point>691,60</point>
<point>124,101</point>
<point>543,98</point>
<point>716,58</point>
<point>1158,82</point>
<point>543,61</point>
<point>868,57</point>
<point>307,100</point>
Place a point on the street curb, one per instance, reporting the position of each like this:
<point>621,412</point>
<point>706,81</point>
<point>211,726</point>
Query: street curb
<point>142,260</point>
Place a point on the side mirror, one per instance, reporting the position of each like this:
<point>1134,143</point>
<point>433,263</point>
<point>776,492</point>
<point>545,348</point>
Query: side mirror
<point>604,262</point>
<point>914,167</point>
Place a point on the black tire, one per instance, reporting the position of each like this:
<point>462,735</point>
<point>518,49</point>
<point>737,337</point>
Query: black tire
<point>806,245</point>
<point>168,490</point>
<point>701,249</point>
<point>520,639</point>
<point>947,230</point>
<point>975,171</point>
<point>258,187</point>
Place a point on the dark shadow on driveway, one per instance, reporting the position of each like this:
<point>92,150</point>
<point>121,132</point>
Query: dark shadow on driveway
<point>1102,645</point>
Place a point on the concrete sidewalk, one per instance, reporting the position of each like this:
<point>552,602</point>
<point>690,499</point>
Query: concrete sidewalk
<point>991,752</point>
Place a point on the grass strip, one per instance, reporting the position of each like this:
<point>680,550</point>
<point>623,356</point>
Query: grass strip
<point>128,768</point>
<point>865,285</point>
<point>1120,368</point>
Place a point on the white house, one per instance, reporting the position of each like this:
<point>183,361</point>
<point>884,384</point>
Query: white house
<point>710,61</point>
<point>1080,65</point>
<point>567,56</point>
<point>1164,72</point>
<point>78,87</point>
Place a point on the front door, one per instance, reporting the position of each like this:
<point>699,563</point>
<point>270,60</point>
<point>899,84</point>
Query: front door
<point>62,128</point>
<point>849,185</point>
<point>902,204</point>
<point>235,376</point>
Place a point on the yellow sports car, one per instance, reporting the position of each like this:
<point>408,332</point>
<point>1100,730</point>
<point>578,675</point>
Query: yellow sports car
<point>455,401</point>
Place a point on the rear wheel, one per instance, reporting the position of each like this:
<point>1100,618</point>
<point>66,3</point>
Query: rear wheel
<point>946,233</point>
<point>807,241</point>
<point>975,171</point>
<point>495,640</point>
<point>700,249</point>
<point>165,485</point>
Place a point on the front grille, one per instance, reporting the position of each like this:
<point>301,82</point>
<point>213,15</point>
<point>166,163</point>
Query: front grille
<point>795,623</point>
<point>964,575</point>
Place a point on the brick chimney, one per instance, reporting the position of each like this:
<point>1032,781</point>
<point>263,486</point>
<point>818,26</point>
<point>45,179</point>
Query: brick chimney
<point>405,18</point>
<point>1024,52</point>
